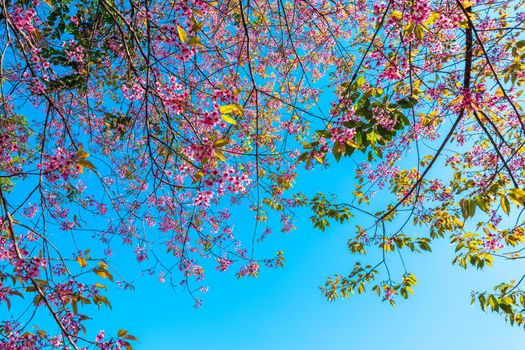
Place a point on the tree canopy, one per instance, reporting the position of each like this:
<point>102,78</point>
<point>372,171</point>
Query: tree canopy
<point>137,125</point>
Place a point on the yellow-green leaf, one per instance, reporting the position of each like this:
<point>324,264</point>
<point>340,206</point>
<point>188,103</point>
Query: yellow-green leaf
<point>81,261</point>
<point>352,144</point>
<point>420,34</point>
<point>221,143</point>
<point>234,108</point>
<point>517,196</point>
<point>182,34</point>
<point>198,176</point>
<point>396,14</point>
<point>505,204</point>
<point>194,41</point>
<point>220,155</point>
<point>101,273</point>
<point>86,163</point>
<point>464,208</point>
<point>81,154</point>
<point>228,119</point>
<point>432,18</point>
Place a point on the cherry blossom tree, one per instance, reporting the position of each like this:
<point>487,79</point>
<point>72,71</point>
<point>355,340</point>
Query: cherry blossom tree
<point>438,86</point>
<point>136,126</point>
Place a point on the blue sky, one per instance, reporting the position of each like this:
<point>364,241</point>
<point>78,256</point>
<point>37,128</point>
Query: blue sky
<point>284,309</point>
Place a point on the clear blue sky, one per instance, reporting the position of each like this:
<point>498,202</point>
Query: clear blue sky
<point>284,309</point>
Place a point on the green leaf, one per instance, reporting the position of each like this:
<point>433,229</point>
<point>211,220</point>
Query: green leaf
<point>372,137</point>
<point>336,150</point>
<point>358,138</point>
<point>324,133</point>
<point>407,102</point>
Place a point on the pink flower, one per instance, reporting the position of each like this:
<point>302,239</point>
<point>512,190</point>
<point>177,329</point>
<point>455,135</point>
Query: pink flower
<point>141,253</point>
<point>100,336</point>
